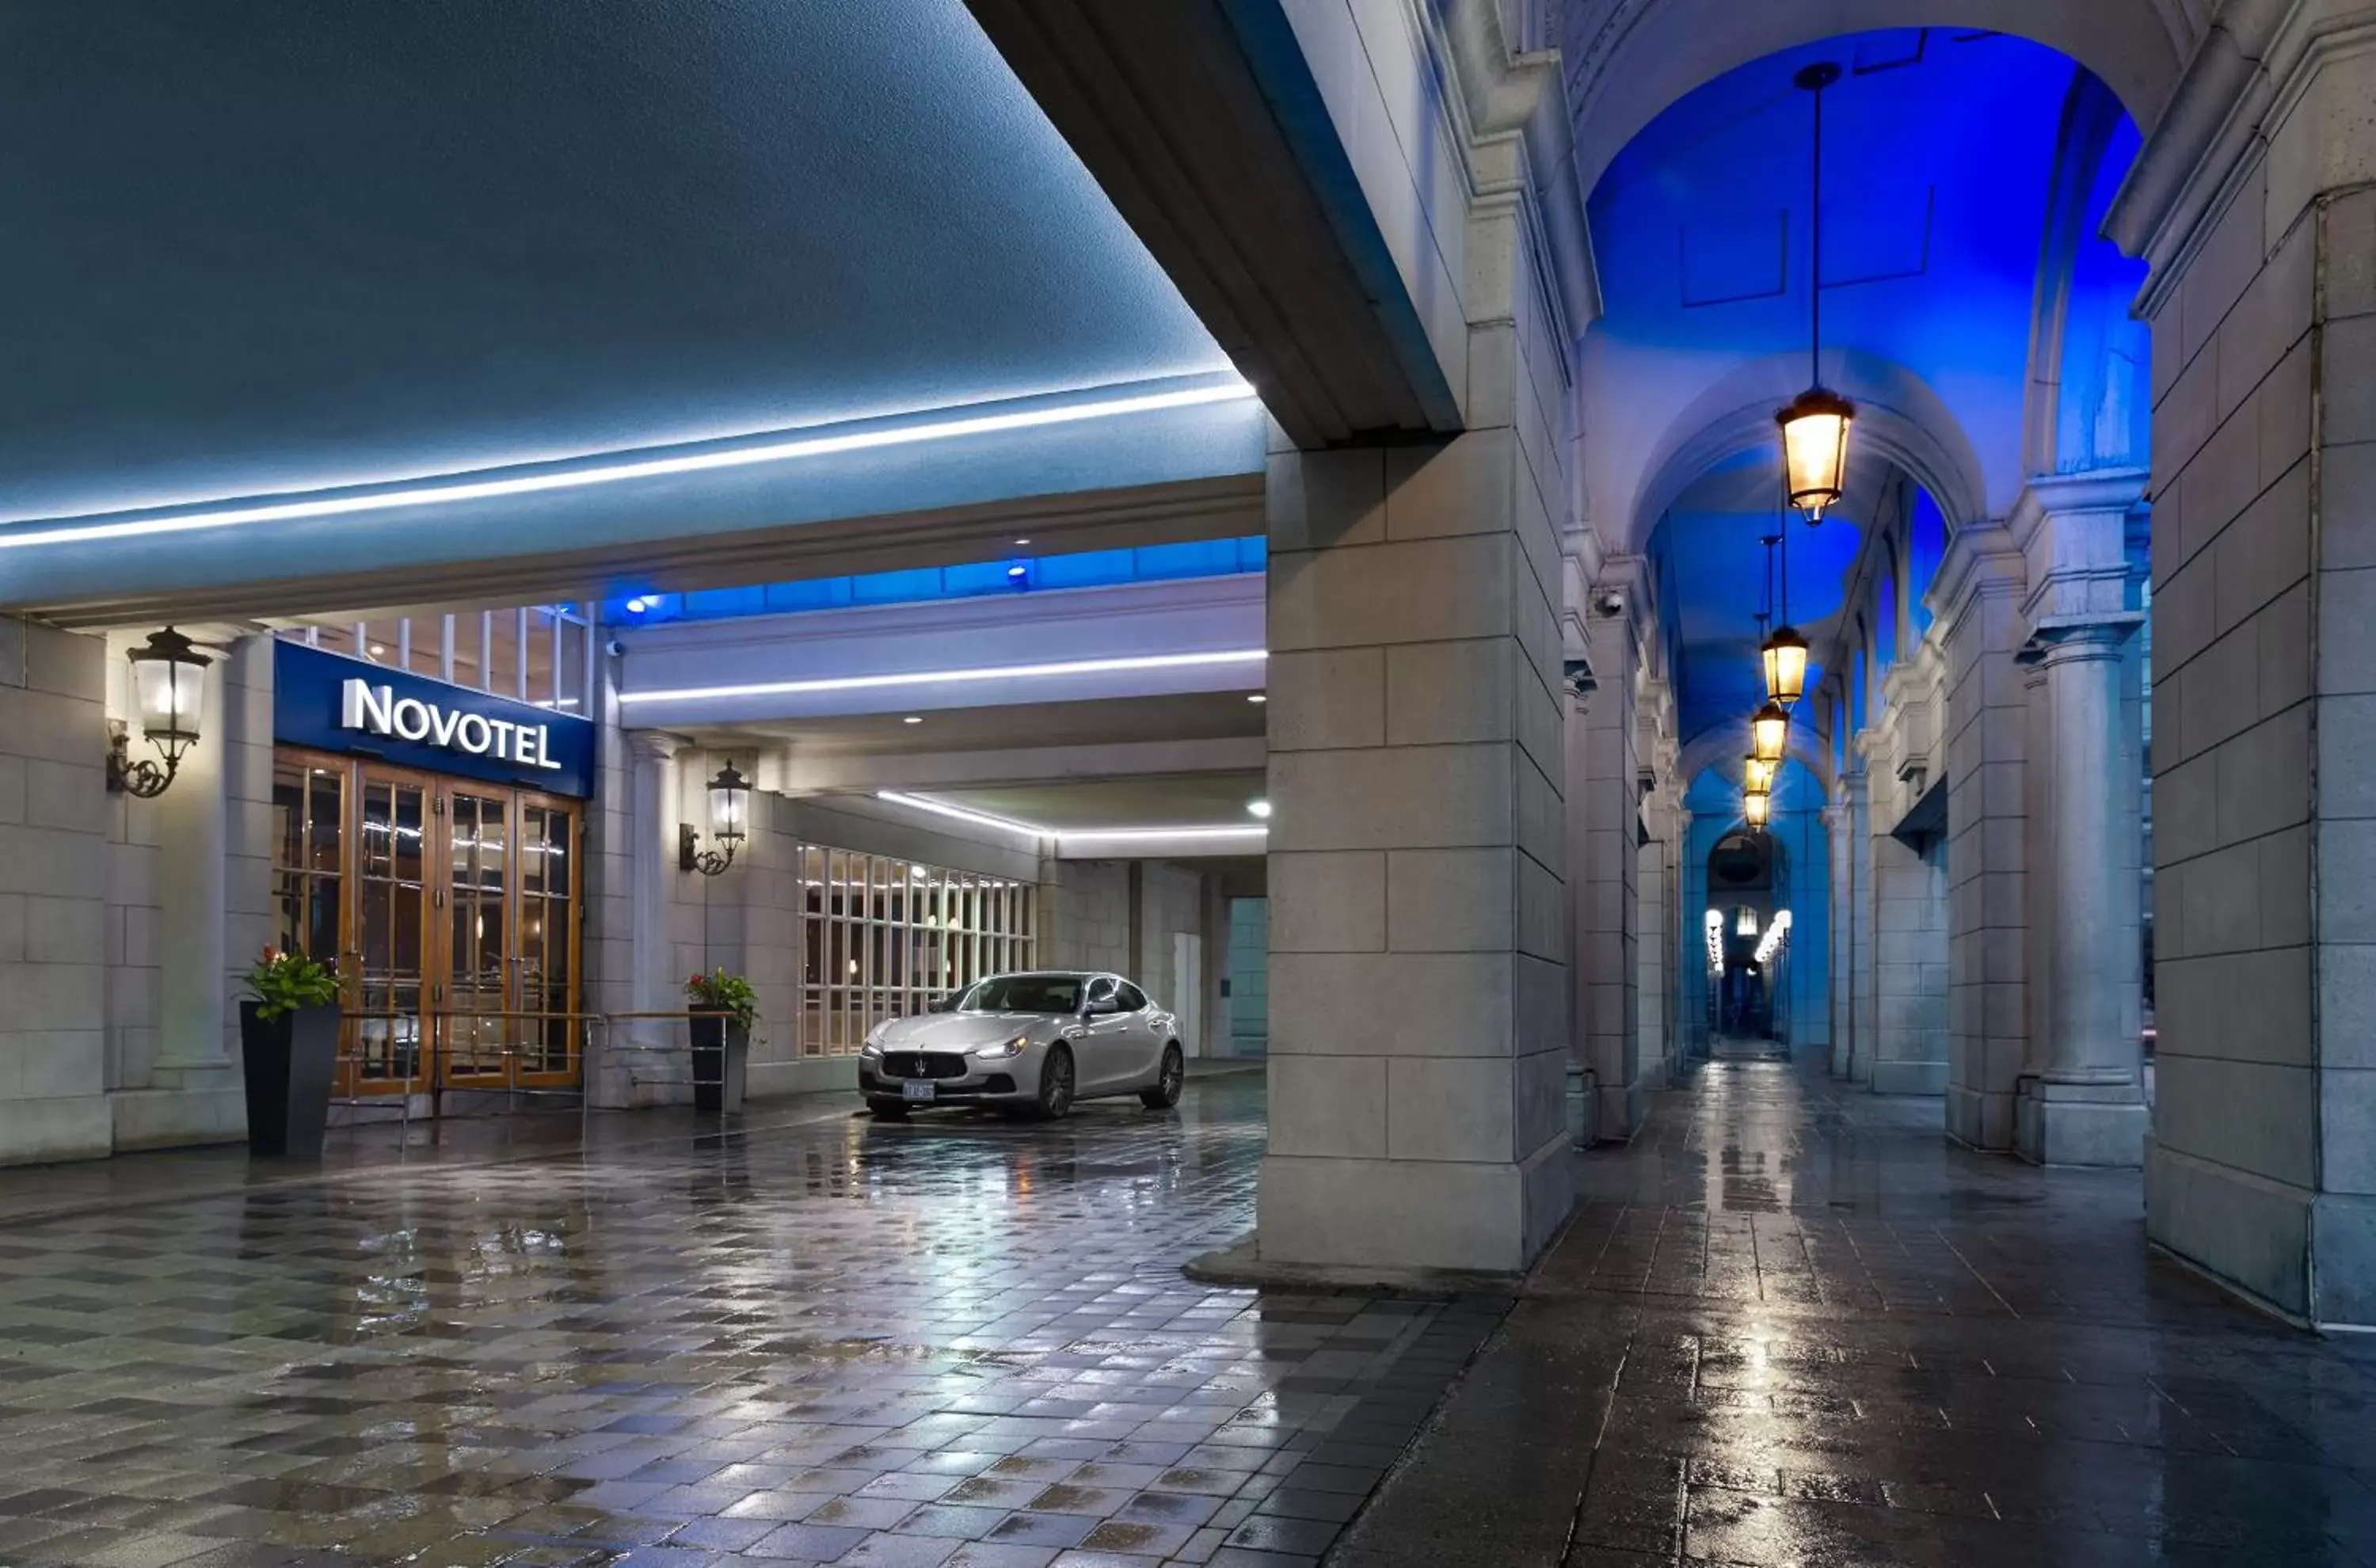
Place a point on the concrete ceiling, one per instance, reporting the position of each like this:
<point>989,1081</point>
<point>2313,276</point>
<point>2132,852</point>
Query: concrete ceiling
<point>287,247</point>
<point>1212,800</point>
<point>1196,716</point>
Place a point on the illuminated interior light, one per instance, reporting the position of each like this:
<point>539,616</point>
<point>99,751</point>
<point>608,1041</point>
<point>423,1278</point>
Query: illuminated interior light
<point>448,492</point>
<point>1129,834</point>
<point>1260,809</point>
<point>931,677</point>
<point>1035,830</point>
<point>980,819</point>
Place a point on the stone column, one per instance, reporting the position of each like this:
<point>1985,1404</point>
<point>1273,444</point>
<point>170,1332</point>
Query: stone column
<point>658,986</point>
<point>1603,817</point>
<point>1862,1002</point>
<point>193,827</point>
<point>2081,1099</point>
<point>1417,939</point>
<point>1839,944</point>
<point>1976,599</point>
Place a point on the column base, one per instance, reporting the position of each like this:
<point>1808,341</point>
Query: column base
<point>1909,1077</point>
<point>1980,1119</point>
<point>2102,1126</point>
<point>212,1109</point>
<point>1387,1217</point>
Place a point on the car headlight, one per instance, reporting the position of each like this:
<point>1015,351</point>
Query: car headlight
<point>1003,1051</point>
<point>874,1043</point>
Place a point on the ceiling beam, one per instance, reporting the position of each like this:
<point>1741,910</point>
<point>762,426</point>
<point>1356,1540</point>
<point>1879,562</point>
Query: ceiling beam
<point>1202,120</point>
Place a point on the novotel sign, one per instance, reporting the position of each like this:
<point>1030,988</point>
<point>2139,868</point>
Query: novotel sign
<point>377,710</point>
<point>332,703</point>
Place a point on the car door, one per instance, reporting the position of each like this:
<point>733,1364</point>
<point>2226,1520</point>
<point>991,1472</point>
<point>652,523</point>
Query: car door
<point>1105,1043</point>
<point>1147,1035</point>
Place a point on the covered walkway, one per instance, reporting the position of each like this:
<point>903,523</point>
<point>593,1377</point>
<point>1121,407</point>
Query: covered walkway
<point>1791,1325</point>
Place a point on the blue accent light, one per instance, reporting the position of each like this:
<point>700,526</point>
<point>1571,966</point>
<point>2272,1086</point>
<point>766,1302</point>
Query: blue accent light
<point>1088,568</point>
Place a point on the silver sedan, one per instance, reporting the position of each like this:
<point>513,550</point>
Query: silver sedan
<point>1035,1041</point>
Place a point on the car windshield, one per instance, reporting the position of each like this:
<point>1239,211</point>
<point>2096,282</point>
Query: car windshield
<point>1024,994</point>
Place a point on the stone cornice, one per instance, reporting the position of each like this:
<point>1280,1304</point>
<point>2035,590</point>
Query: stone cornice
<point>1982,561</point>
<point>2253,64</point>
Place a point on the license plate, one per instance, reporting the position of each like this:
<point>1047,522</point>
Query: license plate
<point>915,1090</point>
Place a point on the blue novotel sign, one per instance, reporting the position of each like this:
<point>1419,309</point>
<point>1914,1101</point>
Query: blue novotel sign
<point>336,704</point>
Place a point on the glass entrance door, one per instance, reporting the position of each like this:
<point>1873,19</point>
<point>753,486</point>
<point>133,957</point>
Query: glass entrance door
<point>452,908</point>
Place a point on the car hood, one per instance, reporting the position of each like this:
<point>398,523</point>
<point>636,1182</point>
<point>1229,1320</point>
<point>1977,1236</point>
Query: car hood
<point>963,1031</point>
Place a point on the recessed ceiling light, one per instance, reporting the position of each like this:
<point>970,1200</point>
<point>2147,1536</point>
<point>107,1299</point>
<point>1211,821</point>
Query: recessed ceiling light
<point>637,606</point>
<point>1257,697</point>
<point>1020,542</point>
<point>913,719</point>
<point>1260,808</point>
<point>379,650</point>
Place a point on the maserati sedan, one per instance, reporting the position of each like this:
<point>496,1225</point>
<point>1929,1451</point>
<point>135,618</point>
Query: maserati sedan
<point>1034,1042</point>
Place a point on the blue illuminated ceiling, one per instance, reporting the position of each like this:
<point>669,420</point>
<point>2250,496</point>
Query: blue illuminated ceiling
<point>276,248</point>
<point>1939,148</point>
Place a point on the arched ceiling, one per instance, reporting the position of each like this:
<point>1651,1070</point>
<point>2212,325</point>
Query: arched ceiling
<point>291,246</point>
<point>1627,60</point>
<point>1940,154</point>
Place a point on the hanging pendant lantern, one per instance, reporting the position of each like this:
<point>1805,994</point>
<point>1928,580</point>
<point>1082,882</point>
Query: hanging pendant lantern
<point>1769,733</point>
<point>1757,775</point>
<point>1815,425</point>
<point>1756,808</point>
<point>1785,667</point>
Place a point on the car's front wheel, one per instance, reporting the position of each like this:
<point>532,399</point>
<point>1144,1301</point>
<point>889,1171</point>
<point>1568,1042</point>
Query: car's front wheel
<point>888,1110</point>
<point>1056,1083</point>
<point>1168,1081</point>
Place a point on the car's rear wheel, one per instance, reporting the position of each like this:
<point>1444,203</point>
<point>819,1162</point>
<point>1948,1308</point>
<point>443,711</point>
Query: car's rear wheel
<point>1056,1083</point>
<point>888,1110</point>
<point>1169,1081</point>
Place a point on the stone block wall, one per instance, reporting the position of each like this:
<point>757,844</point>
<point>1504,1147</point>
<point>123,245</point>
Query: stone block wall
<point>53,860</point>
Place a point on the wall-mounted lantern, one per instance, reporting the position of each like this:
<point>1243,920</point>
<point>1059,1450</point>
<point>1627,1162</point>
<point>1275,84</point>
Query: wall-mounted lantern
<point>730,818</point>
<point>168,690</point>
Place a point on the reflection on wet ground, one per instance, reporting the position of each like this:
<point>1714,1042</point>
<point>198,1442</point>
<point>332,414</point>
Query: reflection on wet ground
<point>1792,1325</point>
<point>962,1342</point>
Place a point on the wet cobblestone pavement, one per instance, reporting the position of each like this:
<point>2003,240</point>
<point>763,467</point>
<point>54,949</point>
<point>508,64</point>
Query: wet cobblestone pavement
<point>952,1344</point>
<point>1791,1325</point>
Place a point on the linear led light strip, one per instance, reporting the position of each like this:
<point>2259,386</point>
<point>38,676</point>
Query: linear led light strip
<point>438,495</point>
<point>1031,831</point>
<point>934,677</point>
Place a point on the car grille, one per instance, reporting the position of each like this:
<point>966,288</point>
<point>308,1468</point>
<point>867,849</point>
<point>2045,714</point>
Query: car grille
<point>922,1065</point>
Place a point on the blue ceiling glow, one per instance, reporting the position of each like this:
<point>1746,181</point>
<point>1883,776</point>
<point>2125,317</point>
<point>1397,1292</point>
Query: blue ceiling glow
<point>1716,792</point>
<point>355,242</point>
<point>1940,153</point>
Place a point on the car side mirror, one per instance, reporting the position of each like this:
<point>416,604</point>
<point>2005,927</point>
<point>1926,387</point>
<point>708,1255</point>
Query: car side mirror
<point>1100,1006</point>
<point>940,1004</point>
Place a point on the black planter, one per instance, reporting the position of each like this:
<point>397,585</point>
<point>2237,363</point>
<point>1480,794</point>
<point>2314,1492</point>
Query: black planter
<point>290,1062</point>
<point>722,1056</point>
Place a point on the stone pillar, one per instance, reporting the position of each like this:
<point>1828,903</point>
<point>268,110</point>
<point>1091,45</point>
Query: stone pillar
<point>53,809</point>
<point>2253,202</point>
<point>1416,862</point>
<point>193,827</point>
<point>1976,599</point>
<point>1604,825</point>
<point>658,986</point>
<point>2081,1101</point>
<point>1860,915</point>
<point>1840,958</point>
<point>1650,961</point>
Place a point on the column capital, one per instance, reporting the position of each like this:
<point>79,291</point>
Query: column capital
<point>2069,639</point>
<point>655,745</point>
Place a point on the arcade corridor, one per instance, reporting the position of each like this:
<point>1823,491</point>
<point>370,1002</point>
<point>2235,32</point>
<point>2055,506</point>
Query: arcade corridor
<point>1791,1325</point>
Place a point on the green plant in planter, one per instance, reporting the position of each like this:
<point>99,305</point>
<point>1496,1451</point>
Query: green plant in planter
<point>283,983</point>
<point>721,993</point>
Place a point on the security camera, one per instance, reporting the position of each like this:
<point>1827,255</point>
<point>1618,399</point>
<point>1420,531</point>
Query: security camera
<point>1609,603</point>
<point>613,647</point>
